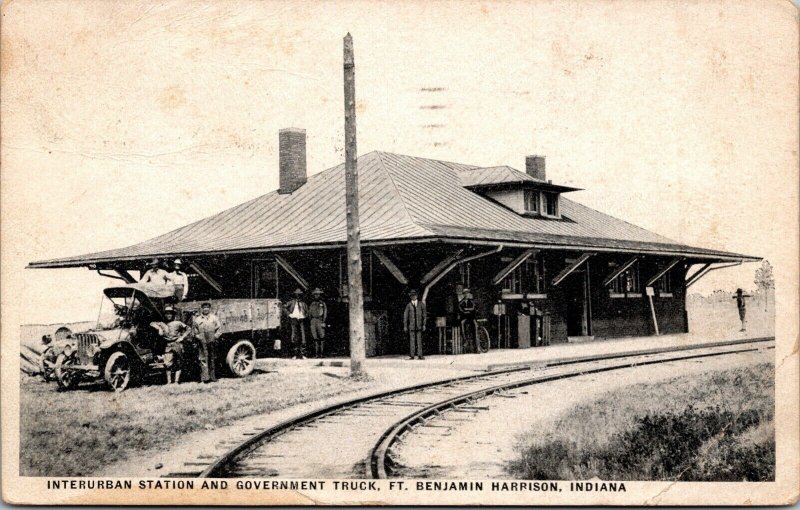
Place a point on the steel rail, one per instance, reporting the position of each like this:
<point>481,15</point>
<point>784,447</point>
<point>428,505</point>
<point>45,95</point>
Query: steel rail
<point>219,466</point>
<point>379,457</point>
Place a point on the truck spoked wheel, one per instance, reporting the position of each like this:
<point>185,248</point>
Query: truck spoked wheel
<point>66,377</point>
<point>118,371</point>
<point>241,358</point>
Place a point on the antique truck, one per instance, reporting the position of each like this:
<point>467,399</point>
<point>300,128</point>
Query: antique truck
<point>125,350</point>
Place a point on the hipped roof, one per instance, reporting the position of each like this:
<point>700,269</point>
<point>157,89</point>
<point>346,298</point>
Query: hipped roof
<point>401,199</point>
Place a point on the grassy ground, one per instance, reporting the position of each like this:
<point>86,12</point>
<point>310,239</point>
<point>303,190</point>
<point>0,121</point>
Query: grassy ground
<point>77,433</point>
<point>716,427</point>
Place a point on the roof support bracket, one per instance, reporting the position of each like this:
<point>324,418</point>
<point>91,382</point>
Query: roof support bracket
<point>453,264</point>
<point>570,268</point>
<point>123,275</point>
<point>207,277</point>
<point>619,270</point>
<point>672,263</point>
<point>513,265</point>
<point>441,265</point>
<point>388,264</point>
<point>707,269</point>
<point>697,274</point>
<point>292,271</point>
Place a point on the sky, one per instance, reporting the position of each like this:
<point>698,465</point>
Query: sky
<point>123,120</point>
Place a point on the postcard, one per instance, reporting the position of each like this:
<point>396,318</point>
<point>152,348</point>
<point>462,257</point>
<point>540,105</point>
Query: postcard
<point>413,253</point>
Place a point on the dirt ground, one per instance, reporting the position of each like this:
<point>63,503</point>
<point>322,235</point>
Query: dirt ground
<point>93,431</point>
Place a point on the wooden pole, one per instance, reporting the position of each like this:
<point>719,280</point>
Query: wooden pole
<point>356,295</point>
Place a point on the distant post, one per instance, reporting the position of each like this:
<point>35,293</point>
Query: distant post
<point>356,295</point>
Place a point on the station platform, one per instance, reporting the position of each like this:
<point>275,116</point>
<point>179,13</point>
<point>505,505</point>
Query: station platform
<point>497,359</point>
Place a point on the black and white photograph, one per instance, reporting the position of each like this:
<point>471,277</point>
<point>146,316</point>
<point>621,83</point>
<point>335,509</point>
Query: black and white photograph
<point>422,253</point>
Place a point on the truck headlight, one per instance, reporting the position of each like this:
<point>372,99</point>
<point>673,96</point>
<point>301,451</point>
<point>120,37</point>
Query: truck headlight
<point>68,350</point>
<point>93,349</point>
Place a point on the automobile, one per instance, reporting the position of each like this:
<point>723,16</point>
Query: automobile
<point>126,349</point>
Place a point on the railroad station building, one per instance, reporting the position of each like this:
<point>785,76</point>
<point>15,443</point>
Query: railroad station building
<point>542,268</point>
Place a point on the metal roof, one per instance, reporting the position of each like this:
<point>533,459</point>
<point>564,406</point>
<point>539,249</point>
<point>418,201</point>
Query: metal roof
<point>402,199</point>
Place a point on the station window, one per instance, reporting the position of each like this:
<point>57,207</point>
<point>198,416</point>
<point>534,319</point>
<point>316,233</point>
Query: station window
<point>265,278</point>
<point>536,275</point>
<point>665,284</point>
<point>531,201</point>
<point>528,277</point>
<point>513,282</point>
<point>627,282</point>
<point>464,273</point>
<point>549,204</point>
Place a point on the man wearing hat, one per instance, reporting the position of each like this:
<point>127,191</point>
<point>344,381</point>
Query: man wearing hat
<point>206,329</point>
<point>318,311</point>
<point>741,304</point>
<point>466,316</point>
<point>174,332</point>
<point>179,279</point>
<point>414,318</point>
<point>297,311</point>
<point>154,274</point>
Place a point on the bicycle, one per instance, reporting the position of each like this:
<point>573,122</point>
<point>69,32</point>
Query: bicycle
<point>482,340</point>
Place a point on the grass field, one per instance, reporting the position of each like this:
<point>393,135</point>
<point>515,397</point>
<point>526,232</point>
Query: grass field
<point>715,427</point>
<point>77,433</point>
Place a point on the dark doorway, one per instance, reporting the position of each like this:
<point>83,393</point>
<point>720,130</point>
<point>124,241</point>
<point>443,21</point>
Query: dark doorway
<point>576,289</point>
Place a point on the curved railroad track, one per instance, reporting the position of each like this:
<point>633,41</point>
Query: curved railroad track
<point>354,439</point>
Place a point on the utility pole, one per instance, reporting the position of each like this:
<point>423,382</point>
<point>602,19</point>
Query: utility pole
<point>356,294</point>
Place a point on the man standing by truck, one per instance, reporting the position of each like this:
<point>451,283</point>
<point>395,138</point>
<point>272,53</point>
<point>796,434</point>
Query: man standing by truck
<point>174,332</point>
<point>206,329</point>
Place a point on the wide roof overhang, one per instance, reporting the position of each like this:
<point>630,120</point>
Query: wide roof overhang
<point>493,238</point>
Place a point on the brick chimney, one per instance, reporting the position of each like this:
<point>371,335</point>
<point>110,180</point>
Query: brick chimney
<point>292,159</point>
<point>534,166</point>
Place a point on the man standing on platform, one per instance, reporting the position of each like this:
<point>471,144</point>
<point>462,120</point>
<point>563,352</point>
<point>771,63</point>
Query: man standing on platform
<point>297,310</point>
<point>319,315</point>
<point>466,314</point>
<point>414,318</point>
<point>206,329</point>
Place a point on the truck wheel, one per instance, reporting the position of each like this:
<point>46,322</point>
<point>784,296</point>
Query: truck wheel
<point>241,358</point>
<point>66,377</point>
<point>117,371</point>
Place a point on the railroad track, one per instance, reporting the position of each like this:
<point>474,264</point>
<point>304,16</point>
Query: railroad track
<point>354,439</point>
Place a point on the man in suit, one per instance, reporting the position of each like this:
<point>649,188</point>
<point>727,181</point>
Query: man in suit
<point>414,318</point>
<point>297,311</point>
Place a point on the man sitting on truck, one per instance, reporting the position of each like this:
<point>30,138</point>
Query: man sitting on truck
<point>154,275</point>
<point>179,279</point>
